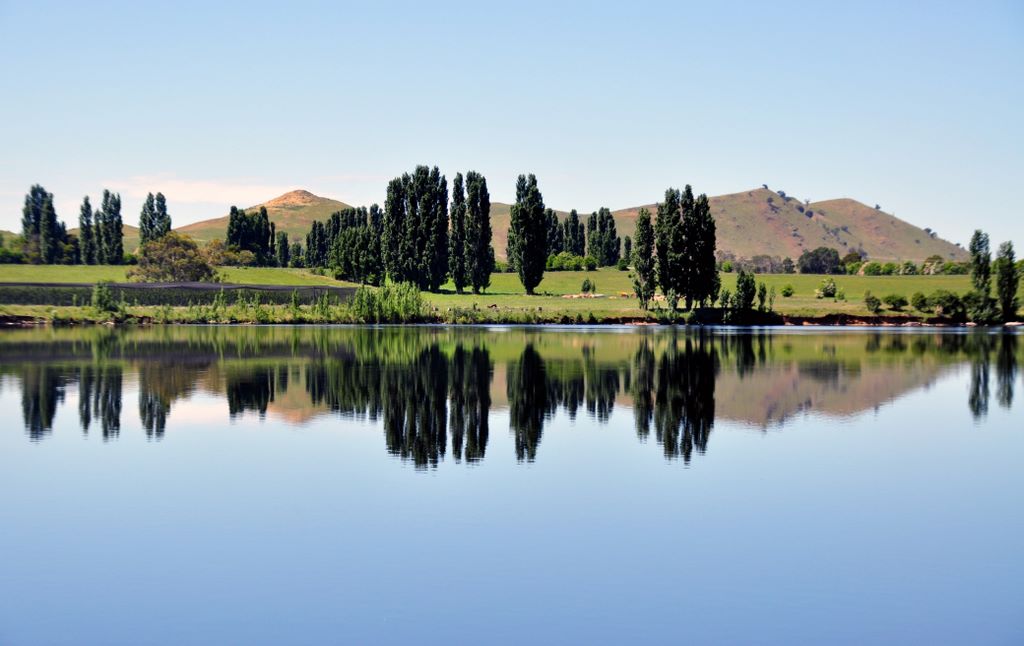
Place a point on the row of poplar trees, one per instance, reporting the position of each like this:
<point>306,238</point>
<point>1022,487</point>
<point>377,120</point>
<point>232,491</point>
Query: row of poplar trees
<point>46,239</point>
<point>677,252</point>
<point>419,237</point>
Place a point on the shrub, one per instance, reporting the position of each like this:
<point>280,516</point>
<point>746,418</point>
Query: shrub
<point>787,290</point>
<point>589,263</point>
<point>896,302</point>
<point>103,298</point>
<point>872,303</point>
<point>727,266</point>
<point>762,296</point>
<point>920,302</point>
<point>889,269</point>
<point>172,258</point>
<point>981,308</point>
<point>622,265</point>
<point>872,269</point>
<point>908,268</point>
<point>827,289</point>
<point>746,291</point>
<point>725,299</point>
<point>588,286</point>
<point>392,303</point>
<point>947,304</point>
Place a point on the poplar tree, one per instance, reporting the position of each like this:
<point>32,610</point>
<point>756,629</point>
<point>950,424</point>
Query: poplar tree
<point>162,220</point>
<point>282,249</point>
<point>644,275</point>
<point>706,282</point>
<point>556,241</point>
<point>87,241</point>
<point>981,262</point>
<point>37,202</point>
<point>415,231</point>
<point>479,252</point>
<point>1007,281</point>
<point>668,242</point>
<point>50,237</point>
<point>457,258</point>
<point>147,220</point>
<point>573,234</point>
<point>528,233</point>
<point>112,235</point>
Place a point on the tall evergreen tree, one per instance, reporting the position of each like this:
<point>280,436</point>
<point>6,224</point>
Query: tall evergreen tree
<point>50,233</point>
<point>644,275</point>
<point>40,227</point>
<point>87,241</point>
<point>685,245</point>
<point>146,220</point>
<point>479,252</point>
<point>1007,281</point>
<point>528,233</point>
<point>416,228</point>
<point>627,248</point>
<point>705,282</point>
<point>457,246</point>
<point>253,232</point>
<point>981,262</point>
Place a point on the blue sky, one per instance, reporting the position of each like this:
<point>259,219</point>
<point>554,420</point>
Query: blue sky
<point>916,107</point>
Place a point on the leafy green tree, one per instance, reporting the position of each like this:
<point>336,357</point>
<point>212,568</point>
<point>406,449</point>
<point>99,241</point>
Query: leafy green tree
<point>87,241</point>
<point>702,243</point>
<point>252,232</point>
<point>457,256</point>
<point>981,262</point>
<point>1007,281</point>
<point>172,258</point>
<point>644,278</point>
<point>295,255</point>
<point>823,260</point>
<point>50,233</point>
<point>603,242</point>
<point>43,234</point>
<point>627,248</point>
<point>746,291</point>
<point>528,233</point>
<point>479,252</point>
<point>109,231</point>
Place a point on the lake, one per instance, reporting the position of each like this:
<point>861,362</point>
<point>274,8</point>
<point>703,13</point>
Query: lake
<point>309,485</point>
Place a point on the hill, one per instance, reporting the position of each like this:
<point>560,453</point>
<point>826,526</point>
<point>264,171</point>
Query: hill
<point>292,213</point>
<point>750,223</point>
<point>762,222</point>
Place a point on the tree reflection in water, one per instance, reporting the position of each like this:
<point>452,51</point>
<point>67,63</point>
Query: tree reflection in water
<point>426,385</point>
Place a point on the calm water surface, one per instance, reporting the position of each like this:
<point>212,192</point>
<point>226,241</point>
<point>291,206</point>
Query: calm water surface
<point>367,485</point>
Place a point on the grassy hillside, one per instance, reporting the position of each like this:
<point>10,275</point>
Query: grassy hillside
<point>749,224</point>
<point>292,213</point>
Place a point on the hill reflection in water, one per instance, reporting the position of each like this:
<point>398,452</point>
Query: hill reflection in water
<point>432,390</point>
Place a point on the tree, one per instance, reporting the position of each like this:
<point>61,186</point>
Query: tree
<point>146,220</point>
<point>161,219</point>
<point>282,249</point>
<point>50,231</point>
<point>746,290</point>
<point>701,243</point>
<point>295,255</point>
<point>415,231</point>
<point>528,233</point>
<point>87,241</point>
<point>44,235</point>
<point>479,252</point>
<point>627,248</point>
<point>602,240</point>
<point>457,238</point>
<point>574,240</point>
<point>172,258</point>
<point>822,260</point>
<point>669,246</point>
<point>981,262</point>
<point>1007,281</point>
<point>556,239</point>
<point>644,278</point>
<point>252,232</point>
<point>109,234</point>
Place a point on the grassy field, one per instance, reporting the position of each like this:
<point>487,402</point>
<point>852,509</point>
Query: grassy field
<point>506,294</point>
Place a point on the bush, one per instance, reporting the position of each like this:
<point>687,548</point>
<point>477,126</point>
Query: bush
<point>103,298</point>
<point>827,289</point>
<point>565,261</point>
<point>787,290</point>
<point>948,305</point>
<point>872,303</point>
<point>920,302</point>
<point>746,291</point>
<point>622,265</point>
<point>588,286</point>
<point>727,266</point>
<point>981,308</point>
<point>896,302</point>
<point>172,258</point>
<point>392,303</point>
<point>872,269</point>
<point>590,263</point>
<point>889,269</point>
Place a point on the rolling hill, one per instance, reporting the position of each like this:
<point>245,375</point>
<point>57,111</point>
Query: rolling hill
<point>292,213</point>
<point>759,221</point>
